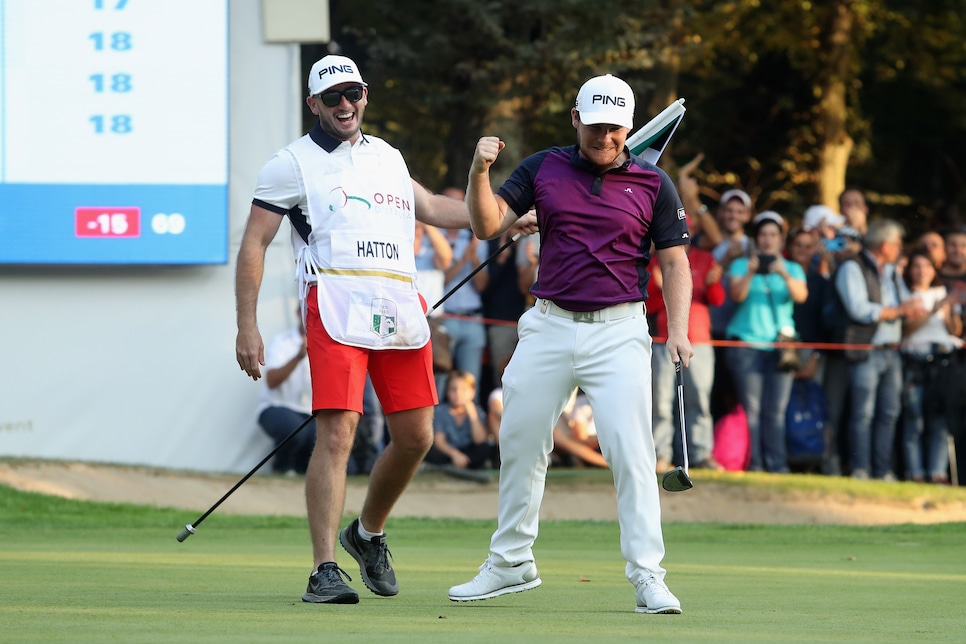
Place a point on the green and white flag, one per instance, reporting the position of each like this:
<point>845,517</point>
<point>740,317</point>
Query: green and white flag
<point>649,141</point>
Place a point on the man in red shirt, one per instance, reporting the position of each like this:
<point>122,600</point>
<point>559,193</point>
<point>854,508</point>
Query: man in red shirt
<point>698,377</point>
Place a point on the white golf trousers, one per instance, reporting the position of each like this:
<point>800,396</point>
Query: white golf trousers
<point>611,362</point>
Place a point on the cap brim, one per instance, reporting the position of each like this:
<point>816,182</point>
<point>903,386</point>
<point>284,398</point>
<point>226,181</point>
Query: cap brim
<point>776,219</point>
<point>734,193</point>
<point>316,92</point>
<point>603,118</point>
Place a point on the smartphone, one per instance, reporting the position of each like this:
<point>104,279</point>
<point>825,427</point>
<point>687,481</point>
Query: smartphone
<point>764,263</point>
<point>834,245</point>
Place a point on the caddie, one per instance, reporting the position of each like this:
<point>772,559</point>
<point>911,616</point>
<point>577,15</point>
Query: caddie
<point>352,205</point>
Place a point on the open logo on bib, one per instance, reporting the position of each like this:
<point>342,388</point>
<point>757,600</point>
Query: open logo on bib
<point>383,317</point>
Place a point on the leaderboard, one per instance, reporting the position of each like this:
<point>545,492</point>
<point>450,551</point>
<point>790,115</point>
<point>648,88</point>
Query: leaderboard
<point>113,131</point>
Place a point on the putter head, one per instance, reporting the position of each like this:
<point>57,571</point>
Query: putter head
<point>677,480</point>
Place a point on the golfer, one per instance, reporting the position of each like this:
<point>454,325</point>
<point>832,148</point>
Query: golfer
<point>352,206</point>
<point>599,208</point>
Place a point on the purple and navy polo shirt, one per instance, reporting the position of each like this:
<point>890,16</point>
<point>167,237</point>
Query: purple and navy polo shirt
<point>595,229</point>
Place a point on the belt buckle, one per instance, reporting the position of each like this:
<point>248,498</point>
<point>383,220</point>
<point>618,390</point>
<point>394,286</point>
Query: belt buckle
<point>585,316</point>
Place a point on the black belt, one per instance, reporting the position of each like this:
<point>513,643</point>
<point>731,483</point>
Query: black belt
<point>472,313</point>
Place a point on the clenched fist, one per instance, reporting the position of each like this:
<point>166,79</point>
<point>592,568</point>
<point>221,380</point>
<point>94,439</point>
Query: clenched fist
<point>487,150</point>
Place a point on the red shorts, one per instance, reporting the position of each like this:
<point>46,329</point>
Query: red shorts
<point>403,378</point>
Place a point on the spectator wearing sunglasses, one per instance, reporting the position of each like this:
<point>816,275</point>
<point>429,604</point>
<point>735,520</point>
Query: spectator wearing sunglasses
<point>353,206</point>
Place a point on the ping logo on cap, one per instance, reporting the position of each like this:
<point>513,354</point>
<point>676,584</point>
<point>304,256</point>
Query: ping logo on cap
<point>603,99</point>
<point>336,69</point>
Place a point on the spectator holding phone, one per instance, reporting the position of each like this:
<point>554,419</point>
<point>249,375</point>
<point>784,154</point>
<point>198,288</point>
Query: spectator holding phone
<point>821,222</point>
<point>802,249</point>
<point>765,289</point>
<point>927,351</point>
<point>835,369</point>
<point>734,211</point>
<point>854,209</point>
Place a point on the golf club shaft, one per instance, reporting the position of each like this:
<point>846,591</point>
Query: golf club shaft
<point>190,528</point>
<point>684,435</point>
<point>475,271</point>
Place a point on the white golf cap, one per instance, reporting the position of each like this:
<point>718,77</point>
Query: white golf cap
<point>606,99</point>
<point>734,193</point>
<point>848,233</point>
<point>769,216</point>
<point>815,215</point>
<point>331,71</point>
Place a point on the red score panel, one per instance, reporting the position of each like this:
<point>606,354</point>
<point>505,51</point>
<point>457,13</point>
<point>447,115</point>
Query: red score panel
<point>107,221</point>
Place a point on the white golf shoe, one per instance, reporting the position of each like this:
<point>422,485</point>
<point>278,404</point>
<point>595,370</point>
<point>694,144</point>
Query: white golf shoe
<point>654,597</point>
<point>493,581</point>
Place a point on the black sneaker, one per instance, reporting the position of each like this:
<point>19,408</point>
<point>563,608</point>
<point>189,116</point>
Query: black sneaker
<point>373,558</point>
<point>327,587</point>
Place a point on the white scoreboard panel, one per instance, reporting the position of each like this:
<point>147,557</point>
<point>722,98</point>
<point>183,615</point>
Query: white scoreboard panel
<point>113,131</point>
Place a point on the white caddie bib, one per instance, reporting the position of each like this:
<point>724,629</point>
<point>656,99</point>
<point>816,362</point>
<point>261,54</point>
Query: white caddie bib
<point>362,212</point>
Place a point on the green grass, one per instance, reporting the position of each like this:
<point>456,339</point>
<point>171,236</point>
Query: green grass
<point>73,571</point>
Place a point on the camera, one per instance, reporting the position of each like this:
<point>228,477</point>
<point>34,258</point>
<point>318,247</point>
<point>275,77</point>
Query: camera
<point>764,263</point>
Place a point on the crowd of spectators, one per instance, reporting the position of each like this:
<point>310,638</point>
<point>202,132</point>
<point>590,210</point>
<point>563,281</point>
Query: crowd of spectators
<point>880,330</point>
<point>842,299</point>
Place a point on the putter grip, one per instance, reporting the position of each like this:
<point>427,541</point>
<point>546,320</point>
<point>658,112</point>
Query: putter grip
<point>187,532</point>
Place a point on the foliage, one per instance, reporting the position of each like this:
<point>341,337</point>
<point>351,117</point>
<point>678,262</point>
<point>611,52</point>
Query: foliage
<point>916,74</point>
<point>758,78</point>
<point>763,69</point>
<point>445,71</point>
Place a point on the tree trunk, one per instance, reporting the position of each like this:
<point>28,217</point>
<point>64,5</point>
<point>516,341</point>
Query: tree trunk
<point>665,92</point>
<point>835,144</point>
<point>665,75</point>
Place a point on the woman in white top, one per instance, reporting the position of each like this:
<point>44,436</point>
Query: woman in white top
<point>927,346</point>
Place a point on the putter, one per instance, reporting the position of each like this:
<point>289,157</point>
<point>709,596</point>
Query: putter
<point>677,480</point>
<point>190,528</point>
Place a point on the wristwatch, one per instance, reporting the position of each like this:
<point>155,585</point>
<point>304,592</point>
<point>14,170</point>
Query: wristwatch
<point>703,210</point>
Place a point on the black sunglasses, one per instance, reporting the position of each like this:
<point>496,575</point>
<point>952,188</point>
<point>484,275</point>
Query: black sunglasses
<point>334,97</point>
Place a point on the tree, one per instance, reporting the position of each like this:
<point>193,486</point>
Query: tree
<point>789,99</point>
<point>799,88</point>
<point>444,72</point>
